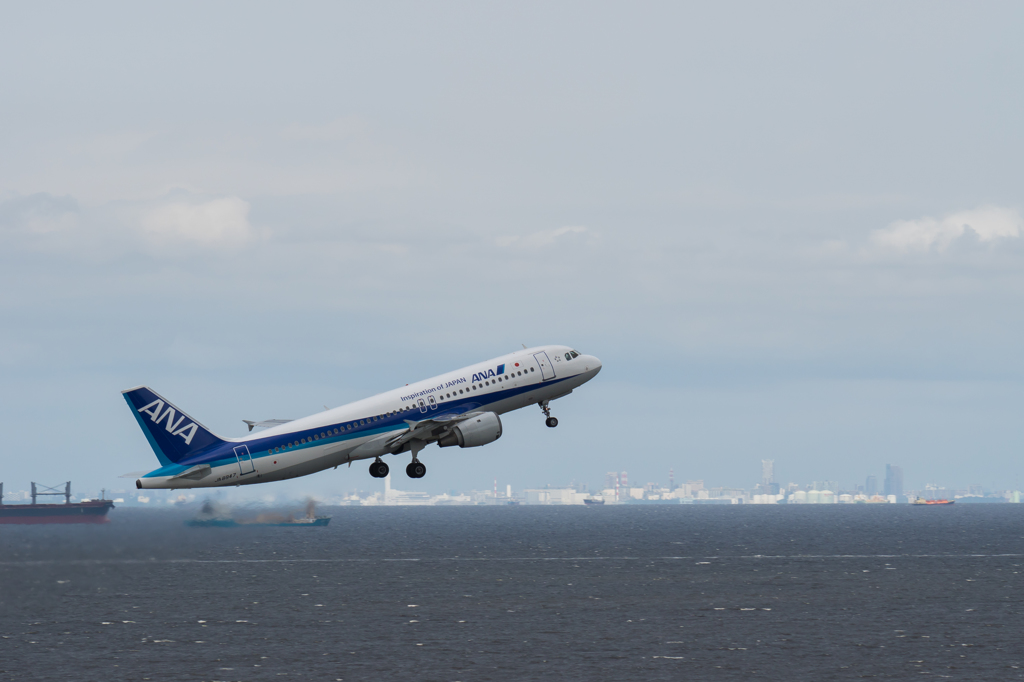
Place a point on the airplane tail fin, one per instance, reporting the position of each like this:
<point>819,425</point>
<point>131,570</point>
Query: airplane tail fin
<point>173,435</point>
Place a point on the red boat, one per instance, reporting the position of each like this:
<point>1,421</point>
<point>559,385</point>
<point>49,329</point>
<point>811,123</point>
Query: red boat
<point>93,511</point>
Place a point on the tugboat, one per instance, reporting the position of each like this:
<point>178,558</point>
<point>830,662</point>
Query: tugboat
<point>92,511</point>
<point>210,516</point>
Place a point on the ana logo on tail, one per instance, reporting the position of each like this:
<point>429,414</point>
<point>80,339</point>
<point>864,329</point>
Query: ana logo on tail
<point>186,432</point>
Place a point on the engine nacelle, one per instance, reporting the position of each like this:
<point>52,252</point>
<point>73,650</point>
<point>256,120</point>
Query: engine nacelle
<point>479,430</point>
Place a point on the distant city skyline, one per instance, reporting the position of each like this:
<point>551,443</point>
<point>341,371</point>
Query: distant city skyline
<point>617,489</point>
<point>620,480</point>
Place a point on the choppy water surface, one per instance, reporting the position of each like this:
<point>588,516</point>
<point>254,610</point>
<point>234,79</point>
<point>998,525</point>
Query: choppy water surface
<point>498,593</point>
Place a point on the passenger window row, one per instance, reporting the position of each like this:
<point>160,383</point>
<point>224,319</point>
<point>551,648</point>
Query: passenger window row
<point>474,387</point>
<point>339,430</point>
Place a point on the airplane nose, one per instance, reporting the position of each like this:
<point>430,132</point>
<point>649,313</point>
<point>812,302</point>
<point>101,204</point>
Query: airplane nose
<point>593,364</point>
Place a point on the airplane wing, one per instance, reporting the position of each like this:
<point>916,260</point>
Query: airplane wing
<point>266,423</point>
<point>414,436</point>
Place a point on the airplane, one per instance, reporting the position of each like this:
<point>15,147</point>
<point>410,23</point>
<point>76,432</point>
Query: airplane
<point>460,408</point>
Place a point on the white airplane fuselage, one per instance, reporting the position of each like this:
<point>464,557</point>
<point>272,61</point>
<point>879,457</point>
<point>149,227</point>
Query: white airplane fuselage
<point>457,408</point>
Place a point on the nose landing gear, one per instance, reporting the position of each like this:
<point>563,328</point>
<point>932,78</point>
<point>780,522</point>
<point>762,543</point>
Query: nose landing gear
<point>550,421</point>
<point>378,469</point>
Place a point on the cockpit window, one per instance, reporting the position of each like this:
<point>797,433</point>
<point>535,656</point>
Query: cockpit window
<point>575,354</point>
<point>568,357</point>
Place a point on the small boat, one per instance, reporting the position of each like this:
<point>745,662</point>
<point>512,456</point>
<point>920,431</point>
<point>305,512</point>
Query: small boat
<point>593,500</point>
<point>921,500</point>
<point>213,515</point>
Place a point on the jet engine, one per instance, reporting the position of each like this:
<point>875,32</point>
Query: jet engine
<point>478,430</point>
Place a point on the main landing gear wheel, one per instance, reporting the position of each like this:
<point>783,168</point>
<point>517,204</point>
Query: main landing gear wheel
<point>416,470</point>
<point>551,421</point>
<point>378,469</point>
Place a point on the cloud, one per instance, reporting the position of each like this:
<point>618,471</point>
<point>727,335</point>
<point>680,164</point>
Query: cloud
<point>223,221</point>
<point>334,131</point>
<point>39,213</point>
<point>538,239</point>
<point>987,223</point>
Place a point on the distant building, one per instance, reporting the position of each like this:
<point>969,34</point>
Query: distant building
<point>893,481</point>
<point>402,497</point>
<point>619,482</point>
<point>553,496</point>
<point>768,485</point>
<point>871,486</point>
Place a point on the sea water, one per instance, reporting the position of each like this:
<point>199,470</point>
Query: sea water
<point>517,593</point>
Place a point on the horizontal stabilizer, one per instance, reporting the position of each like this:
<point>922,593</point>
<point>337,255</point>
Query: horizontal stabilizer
<point>197,472</point>
<point>266,423</point>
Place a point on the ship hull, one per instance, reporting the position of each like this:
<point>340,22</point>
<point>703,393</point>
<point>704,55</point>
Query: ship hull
<point>81,512</point>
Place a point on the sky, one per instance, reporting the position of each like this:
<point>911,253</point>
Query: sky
<point>788,230</point>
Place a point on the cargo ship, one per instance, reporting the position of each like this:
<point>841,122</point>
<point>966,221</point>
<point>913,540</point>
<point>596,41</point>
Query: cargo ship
<point>91,511</point>
<point>921,500</point>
